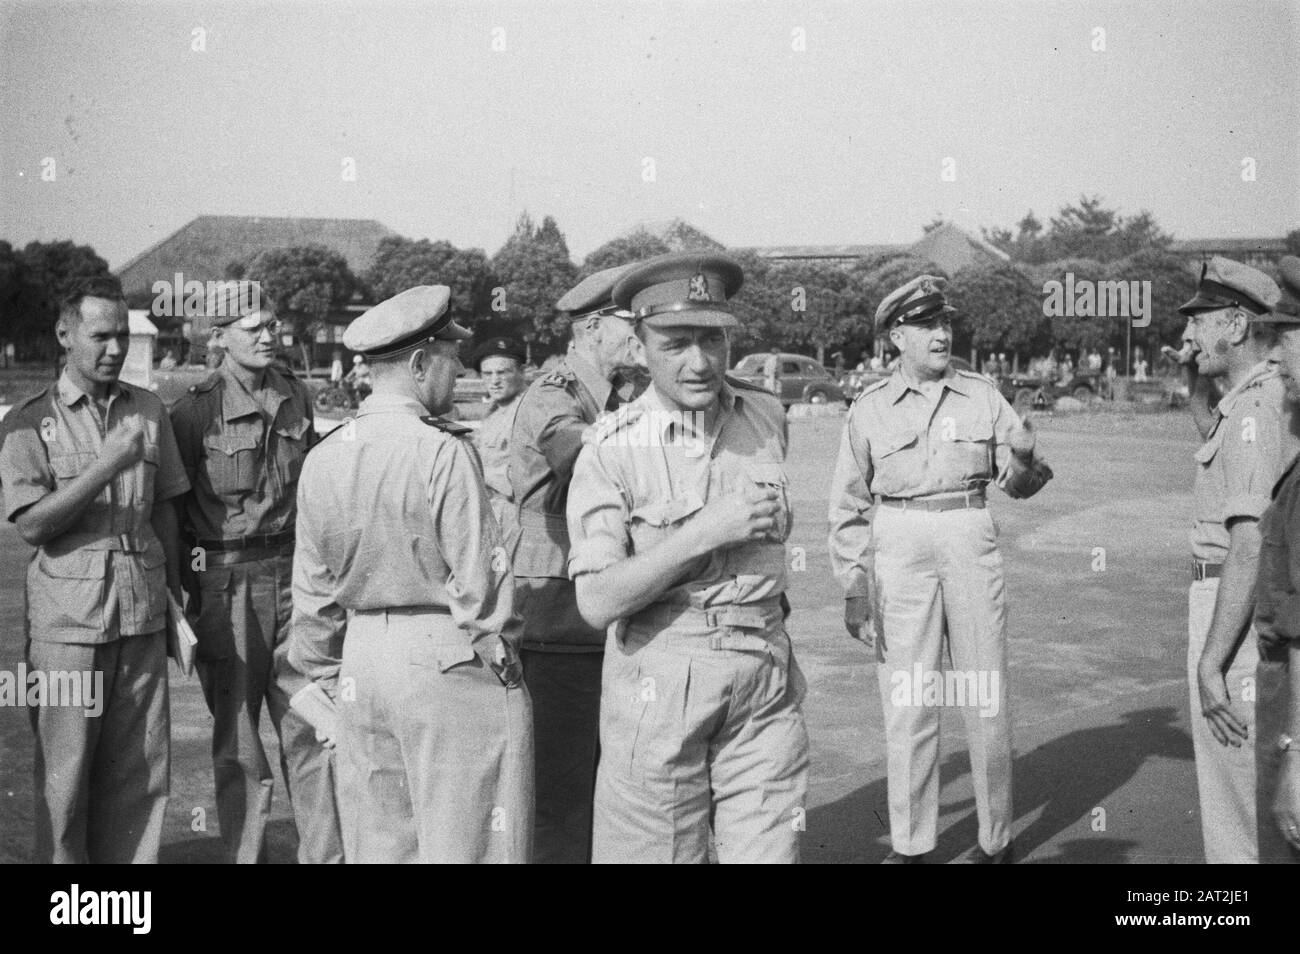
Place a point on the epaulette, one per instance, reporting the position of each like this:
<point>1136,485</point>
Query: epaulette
<point>742,385</point>
<point>207,384</point>
<point>18,415</point>
<point>977,376</point>
<point>609,424</point>
<point>447,427</point>
<point>559,377</point>
<point>870,388</point>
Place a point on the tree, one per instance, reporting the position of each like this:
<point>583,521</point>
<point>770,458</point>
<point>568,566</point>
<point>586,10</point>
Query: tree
<point>681,236</point>
<point>535,271</point>
<point>402,263</point>
<point>1085,230</point>
<point>823,305</point>
<point>1073,332</point>
<point>1293,242</point>
<point>636,246</point>
<point>306,283</point>
<point>1001,309</point>
<point>31,284</point>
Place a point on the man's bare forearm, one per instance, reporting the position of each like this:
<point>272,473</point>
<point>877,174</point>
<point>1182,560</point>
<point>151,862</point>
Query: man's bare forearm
<point>629,585</point>
<point>54,513</point>
<point>1235,605</point>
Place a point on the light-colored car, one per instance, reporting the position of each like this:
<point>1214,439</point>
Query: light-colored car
<point>802,379</point>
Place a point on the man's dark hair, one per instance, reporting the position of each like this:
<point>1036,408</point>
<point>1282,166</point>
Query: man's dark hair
<point>78,290</point>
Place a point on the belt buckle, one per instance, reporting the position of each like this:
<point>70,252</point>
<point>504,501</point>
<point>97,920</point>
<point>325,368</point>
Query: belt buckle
<point>125,542</point>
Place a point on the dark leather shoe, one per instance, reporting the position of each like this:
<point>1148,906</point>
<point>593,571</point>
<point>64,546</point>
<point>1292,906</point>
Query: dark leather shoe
<point>894,858</point>
<point>1003,857</point>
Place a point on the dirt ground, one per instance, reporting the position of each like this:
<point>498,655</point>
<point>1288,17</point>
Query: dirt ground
<point>1097,690</point>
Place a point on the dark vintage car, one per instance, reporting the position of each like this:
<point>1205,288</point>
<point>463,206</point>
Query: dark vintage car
<point>802,379</point>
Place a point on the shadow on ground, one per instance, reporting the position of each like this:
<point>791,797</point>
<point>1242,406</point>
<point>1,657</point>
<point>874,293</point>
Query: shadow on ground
<point>1061,781</point>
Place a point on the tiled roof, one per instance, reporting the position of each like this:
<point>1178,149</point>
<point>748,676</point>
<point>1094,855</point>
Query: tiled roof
<point>202,249</point>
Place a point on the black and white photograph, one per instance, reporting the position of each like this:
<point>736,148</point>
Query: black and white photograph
<point>651,432</point>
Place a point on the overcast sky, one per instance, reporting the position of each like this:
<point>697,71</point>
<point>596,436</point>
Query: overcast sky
<point>752,140</point>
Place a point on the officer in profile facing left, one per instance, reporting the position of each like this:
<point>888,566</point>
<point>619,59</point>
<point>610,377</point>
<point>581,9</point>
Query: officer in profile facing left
<point>404,610</point>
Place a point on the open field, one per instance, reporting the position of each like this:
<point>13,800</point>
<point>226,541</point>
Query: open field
<point>1097,689</point>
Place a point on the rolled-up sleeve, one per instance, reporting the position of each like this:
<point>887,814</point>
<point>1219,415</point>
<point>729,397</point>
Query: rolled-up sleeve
<point>1252,447</point>
<point>850,511</point>
<point>480,586</point>
<point>25,475</point>
<point>597,516</point>
<point>1017,478</point>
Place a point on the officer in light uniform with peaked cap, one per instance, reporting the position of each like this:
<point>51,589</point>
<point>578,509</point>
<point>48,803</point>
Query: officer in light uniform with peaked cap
<point>404,610</point>
<point>562,654</point>
<point>500,364</point>
<point>243,435</point>
<point>679,512</point>
<point>1246,448</point>
<point>916,549</point>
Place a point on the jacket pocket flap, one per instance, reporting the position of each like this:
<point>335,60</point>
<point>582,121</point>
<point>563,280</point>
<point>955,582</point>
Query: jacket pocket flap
<point>79,564</point>
<point>665,513</point>
<point>895,441</point>
<point>292,429</point>
<point>230,445</point>
<point>976,431</point>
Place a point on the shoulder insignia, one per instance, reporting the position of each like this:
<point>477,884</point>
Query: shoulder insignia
<point>559,376</point>
<point>871,388</point>
<point>976,375</point>
<point>447,427</point>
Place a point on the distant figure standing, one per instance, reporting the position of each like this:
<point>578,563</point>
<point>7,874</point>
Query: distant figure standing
<point>336,369</point>
<point>1139,367</point>
<point>168,362</point>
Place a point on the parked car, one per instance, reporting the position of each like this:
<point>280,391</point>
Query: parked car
<point>802,379</point>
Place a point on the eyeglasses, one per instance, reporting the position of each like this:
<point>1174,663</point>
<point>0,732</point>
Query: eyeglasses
<point>273,327</point>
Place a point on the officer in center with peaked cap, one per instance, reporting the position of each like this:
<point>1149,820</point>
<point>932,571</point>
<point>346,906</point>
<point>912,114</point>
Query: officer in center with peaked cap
<point>562,654</point>
<point>915,548</point>
<point>679,513</point>
<point>404,610</point>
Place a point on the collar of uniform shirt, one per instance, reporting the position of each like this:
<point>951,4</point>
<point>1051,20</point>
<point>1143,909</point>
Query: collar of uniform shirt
<point>1258,372</point>
<point>380,402</point>
<point>667,417</point>
<point>590,377</point>
<point>902,382</point>
<point>238,401</point>
<point>70,394</point>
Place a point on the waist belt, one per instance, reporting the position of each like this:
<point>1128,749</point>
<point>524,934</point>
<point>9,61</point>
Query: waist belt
<point>970,500</point>
<point>118,542</point>
<point>756,616</point>
<point>1202,570</point>
<point>257,541</point>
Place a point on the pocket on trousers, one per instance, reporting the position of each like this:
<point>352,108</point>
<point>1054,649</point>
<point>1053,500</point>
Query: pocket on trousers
<point>68,590</point>
<point>444,657</point>
<point>214,627</point>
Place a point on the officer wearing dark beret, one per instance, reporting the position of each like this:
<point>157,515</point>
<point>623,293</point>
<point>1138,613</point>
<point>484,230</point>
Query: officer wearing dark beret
<point>678,515</point>
<point>243,435</point>
<point>500,364</point>
<point>562,654</point>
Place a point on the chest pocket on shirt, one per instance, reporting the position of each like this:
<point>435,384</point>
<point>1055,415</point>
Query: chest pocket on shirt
<point>969,449</point>
<point>893,460</point>
<point>290,450</point>
<point>232,462</point>
<point>67,466</point>
<point>772,474</point>
<point>652,522</point>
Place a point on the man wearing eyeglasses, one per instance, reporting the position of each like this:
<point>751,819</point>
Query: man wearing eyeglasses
<point>243,435</point>
<point>562,654</point>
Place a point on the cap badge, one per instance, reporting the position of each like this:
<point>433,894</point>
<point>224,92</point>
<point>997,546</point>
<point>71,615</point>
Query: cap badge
<point>699,289</point>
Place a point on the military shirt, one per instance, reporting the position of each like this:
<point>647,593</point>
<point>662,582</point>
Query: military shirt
<point>1239,462</point>
<point>393,513</point>
<point>493,442</point>
<point>243,452</point>
<point>1277,590</point>
<point>103,578</point>
<point>553,414</point>
<point>897,442</point>
<point>648,469</point>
